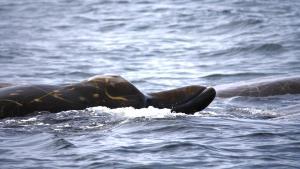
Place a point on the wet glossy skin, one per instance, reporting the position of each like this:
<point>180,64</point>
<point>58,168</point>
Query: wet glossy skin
<point>261,88</point>
<point>189,99</point>
<point>115,91</point>
<point>109,91</point>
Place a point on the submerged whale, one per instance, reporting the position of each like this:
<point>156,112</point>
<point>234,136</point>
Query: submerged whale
<point>109,91</point>
<point>261,87</point>
<point>115,91</point>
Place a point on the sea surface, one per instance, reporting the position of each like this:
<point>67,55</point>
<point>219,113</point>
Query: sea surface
<point>157,45</point>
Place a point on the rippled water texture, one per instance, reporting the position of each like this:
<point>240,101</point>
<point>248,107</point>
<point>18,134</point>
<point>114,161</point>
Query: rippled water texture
<point>157,46</point>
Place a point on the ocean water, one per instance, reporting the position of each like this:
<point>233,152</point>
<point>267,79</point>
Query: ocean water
<point>157,45</point>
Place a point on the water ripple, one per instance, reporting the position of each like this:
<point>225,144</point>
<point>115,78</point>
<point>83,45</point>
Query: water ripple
<point>157,46</point>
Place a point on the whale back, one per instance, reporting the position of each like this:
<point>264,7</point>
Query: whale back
<point>115,91</point>
<point>110,91</point>
<point>261,88</point>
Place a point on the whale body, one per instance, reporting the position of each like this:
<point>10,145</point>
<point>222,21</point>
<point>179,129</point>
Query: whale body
<point>115,92</point>
<point>109,91</point>
<point>260,87</point>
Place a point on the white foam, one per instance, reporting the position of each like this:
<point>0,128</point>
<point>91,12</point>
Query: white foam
<point>258,112</point>
<point>130,112</point>
<point>205,113</point>
<point>31,119</point>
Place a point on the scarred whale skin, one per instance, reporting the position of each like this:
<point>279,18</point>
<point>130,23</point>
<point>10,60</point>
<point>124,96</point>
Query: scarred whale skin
<point>115,91</point>
<point>110,91</point>
<point>101,90</point>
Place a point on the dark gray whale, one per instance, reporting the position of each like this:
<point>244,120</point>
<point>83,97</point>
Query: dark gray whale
<point>109,91</point>
<point>115,91</point>
<point>260,87</point>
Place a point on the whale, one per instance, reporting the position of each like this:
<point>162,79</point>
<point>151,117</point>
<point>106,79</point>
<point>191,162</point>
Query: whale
<point>101,90</point>
<point>115,92</point>
<point>264,87</point>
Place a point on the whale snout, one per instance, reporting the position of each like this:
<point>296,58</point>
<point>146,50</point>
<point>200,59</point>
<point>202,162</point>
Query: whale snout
<point>197,102</point>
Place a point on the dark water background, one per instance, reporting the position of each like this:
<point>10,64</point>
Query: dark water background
<point>157,45</point>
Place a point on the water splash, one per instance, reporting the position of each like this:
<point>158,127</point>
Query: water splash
<point>130,112</point>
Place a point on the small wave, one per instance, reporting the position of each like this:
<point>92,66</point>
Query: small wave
<point>69,74</point>
<point>62,27</point>
<point>252,113</point>
<point>5,57</point>
<point>250,48</point>
<point>235,25</point>
<point>177,146</point>
<point>85,20</point>
<point>221,75</point>
<point>262,135</point>
<point>110,27</point>
<point>60,143</point>
<point>269,47</point>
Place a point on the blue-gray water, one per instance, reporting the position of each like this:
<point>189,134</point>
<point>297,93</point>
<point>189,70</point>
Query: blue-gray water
<point>157,45</point>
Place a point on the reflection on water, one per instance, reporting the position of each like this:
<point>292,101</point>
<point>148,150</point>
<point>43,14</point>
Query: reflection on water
<point>157,46</point>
